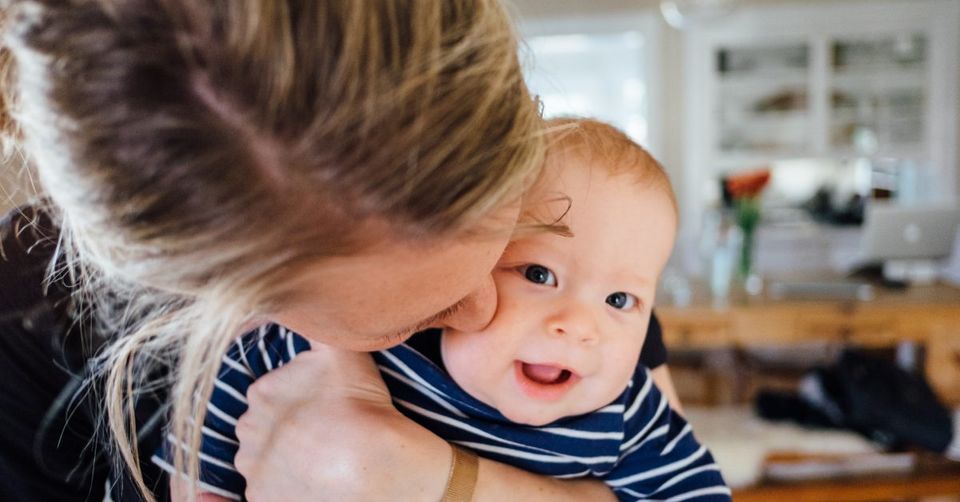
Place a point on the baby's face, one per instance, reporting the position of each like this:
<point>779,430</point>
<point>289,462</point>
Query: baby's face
<point>573,311</point>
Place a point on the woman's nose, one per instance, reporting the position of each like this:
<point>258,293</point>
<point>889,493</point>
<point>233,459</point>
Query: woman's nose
<point>576,322</point>
<point>477,309</point>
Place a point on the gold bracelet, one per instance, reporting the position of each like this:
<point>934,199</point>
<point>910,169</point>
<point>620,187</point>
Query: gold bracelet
<point>463,476</point>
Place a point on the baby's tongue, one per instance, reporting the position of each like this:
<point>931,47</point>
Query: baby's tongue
<point>542,373</point>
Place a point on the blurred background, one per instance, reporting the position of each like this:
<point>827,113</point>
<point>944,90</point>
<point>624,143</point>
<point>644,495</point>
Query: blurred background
<point>811,307</point>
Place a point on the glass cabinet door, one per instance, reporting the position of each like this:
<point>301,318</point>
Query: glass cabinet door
<point>878,93</point>
<point>762,103</point>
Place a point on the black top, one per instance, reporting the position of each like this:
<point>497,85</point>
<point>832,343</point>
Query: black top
<point>40,357</point>
<point>43,455</point>
<point>47,427</point>
<point>654,352</point>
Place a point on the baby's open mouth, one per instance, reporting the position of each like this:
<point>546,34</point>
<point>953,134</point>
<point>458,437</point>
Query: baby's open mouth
<point>547,382</point>
<point>545,374</point>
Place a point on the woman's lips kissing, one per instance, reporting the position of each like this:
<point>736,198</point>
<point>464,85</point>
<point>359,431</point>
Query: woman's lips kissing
<point>547,382</point>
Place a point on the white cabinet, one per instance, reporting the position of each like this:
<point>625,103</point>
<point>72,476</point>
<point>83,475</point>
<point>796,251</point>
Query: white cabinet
<point>762,100</point>
<point>821,80</point>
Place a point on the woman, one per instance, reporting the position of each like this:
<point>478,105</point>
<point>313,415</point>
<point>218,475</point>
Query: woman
<point>348,169</point>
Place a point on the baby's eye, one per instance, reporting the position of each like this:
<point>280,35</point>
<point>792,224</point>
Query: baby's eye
<point>622,301</point>
<point>538,274</point>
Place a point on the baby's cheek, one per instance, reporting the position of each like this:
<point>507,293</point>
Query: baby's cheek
<point>455,348</point>
<point>472,364</point>
<point>621,365</point>
<point>606,388</point>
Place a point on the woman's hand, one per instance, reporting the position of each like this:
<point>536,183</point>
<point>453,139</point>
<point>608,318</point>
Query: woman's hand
<point>323,428</point>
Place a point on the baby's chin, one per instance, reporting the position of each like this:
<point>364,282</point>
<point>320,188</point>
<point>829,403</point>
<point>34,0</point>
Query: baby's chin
<point>533,418</point>
<point>537,415</point>
<point>520,409</point>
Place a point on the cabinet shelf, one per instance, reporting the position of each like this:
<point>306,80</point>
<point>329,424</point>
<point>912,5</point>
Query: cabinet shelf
<point>765,79</point>
<point>881,79</point>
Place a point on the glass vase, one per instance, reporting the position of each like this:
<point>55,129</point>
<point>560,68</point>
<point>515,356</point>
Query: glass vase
<point>748,217</point>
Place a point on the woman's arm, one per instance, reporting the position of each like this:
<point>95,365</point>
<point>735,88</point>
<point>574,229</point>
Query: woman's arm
<point>661,377</point>
<point>497,482</point>
<point>324,423</point>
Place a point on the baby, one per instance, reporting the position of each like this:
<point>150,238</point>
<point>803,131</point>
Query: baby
<point>553,384</point>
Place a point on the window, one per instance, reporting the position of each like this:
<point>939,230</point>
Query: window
<point>600,70</point>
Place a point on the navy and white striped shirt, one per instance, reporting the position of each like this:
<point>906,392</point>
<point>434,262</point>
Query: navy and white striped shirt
<point>636,444</point>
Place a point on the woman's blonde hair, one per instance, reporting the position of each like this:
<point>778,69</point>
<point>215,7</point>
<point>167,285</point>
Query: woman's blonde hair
<point>198,154</point>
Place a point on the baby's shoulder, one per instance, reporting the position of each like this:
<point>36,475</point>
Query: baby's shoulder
<point>641,394</point>
<point>641,383</point>
<point>265,349</point>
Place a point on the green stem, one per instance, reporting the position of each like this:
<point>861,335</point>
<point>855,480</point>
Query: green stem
<point>748,216</point>
<point>746,253</point>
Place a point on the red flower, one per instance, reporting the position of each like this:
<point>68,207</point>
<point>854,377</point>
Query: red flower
<point>749,184</point>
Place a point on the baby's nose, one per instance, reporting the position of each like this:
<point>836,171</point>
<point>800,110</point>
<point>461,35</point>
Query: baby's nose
<point>576,323</point>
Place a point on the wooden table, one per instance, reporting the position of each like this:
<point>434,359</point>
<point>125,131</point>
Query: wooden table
<point>928,315</point>
<point>929,479</point>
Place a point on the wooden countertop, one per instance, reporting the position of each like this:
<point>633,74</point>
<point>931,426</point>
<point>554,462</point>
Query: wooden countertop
<point>929,315</point>
<point>930,478</point>
<point>700,298</point>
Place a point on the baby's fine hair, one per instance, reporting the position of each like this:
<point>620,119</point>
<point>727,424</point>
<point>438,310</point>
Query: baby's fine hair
<point>603,145</point>
<point>198,155</point>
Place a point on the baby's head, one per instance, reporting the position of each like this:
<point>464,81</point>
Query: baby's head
<point>574,304</point>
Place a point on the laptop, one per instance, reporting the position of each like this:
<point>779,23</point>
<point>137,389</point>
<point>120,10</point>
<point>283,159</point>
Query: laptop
<point>892,232</point>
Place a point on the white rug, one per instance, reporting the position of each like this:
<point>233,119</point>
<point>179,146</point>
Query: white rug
<point>740,441</point>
